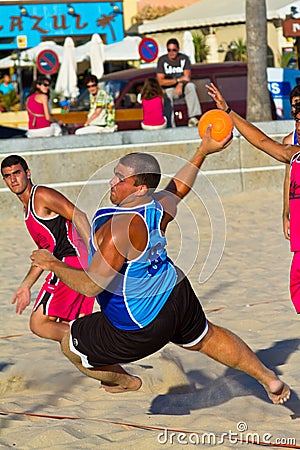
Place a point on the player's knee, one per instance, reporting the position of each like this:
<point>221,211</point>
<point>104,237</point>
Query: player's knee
<point>37,322</point>
<point>34,325</point>
<point>206,338</point>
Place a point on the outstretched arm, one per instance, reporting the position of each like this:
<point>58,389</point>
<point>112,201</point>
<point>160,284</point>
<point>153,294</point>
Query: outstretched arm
<point>89,282</point>
<point>286,193</point>
<point>182,182</point>
<point>119,239</point>
<point>253,135</point>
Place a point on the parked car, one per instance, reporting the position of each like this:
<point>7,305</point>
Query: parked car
<point>125,85</point>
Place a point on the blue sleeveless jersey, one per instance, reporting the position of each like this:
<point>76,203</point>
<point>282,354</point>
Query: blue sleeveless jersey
<point>142,286</point>
<point>295,138</point>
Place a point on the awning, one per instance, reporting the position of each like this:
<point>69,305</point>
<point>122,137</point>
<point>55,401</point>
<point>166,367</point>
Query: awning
<point>208,13</point>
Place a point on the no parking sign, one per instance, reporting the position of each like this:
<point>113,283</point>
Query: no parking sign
<point>47,62</point>
<point>148,49</point>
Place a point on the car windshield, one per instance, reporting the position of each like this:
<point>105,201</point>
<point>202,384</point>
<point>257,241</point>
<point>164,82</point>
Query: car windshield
<point>114,87</point>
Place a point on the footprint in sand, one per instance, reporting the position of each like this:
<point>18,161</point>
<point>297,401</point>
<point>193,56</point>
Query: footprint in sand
<point>162,374</point>
<point>12,383</point>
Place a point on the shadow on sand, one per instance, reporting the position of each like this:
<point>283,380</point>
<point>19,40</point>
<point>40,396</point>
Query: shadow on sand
<point>231,384</point>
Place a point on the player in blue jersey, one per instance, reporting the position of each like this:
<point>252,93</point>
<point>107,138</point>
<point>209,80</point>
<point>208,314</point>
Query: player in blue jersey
<point>145,300</point>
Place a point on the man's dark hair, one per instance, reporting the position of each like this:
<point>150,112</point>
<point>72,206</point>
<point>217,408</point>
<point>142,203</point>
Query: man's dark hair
<point>91,79</point>
<point>13,160</point>
<point>146,169</point>
<point>295,92</point>
<point>173,41</point>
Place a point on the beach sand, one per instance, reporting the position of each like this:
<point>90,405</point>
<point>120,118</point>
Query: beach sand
<point>47,404</point>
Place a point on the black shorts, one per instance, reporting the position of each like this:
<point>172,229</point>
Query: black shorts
<point>181,321</point>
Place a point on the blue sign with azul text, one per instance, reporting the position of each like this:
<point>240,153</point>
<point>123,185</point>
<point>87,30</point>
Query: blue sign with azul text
<point>45,21</point>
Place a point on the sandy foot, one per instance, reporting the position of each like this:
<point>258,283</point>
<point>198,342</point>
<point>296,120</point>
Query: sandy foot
<point>135,385</point>
<point>278,392</point>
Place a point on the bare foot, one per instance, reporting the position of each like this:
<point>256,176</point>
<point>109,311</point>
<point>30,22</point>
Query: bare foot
<point>278,392</point>
<point>134,385</point>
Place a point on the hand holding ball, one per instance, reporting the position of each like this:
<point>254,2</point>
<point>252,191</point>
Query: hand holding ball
<point>221,122</point>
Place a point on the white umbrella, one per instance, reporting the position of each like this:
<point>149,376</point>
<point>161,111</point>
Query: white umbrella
<point>7,62</point>
<point>29,56</point>
<point>66,82</point>
<point>96,54</point>
<point>188,46</point>
<point>125,50</point>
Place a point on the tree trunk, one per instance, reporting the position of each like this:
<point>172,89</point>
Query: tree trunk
<point>258,97</point>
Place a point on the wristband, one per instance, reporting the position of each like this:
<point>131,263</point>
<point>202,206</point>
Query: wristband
<point>228,110</point>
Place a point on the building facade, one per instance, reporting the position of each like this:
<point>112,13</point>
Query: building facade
<point>26,24</point>
<point>223,24</point>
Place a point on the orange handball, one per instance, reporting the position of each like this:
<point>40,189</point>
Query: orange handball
<point>221,122</point>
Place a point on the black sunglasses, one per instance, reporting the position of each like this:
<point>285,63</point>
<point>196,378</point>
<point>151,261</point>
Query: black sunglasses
<point>91,85</point>
<point>175,50</point>
<point>44,83</point>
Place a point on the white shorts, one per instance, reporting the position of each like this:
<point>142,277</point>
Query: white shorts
<point>53,130</point>
<point>93,129</point>
<point>154,127</point>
